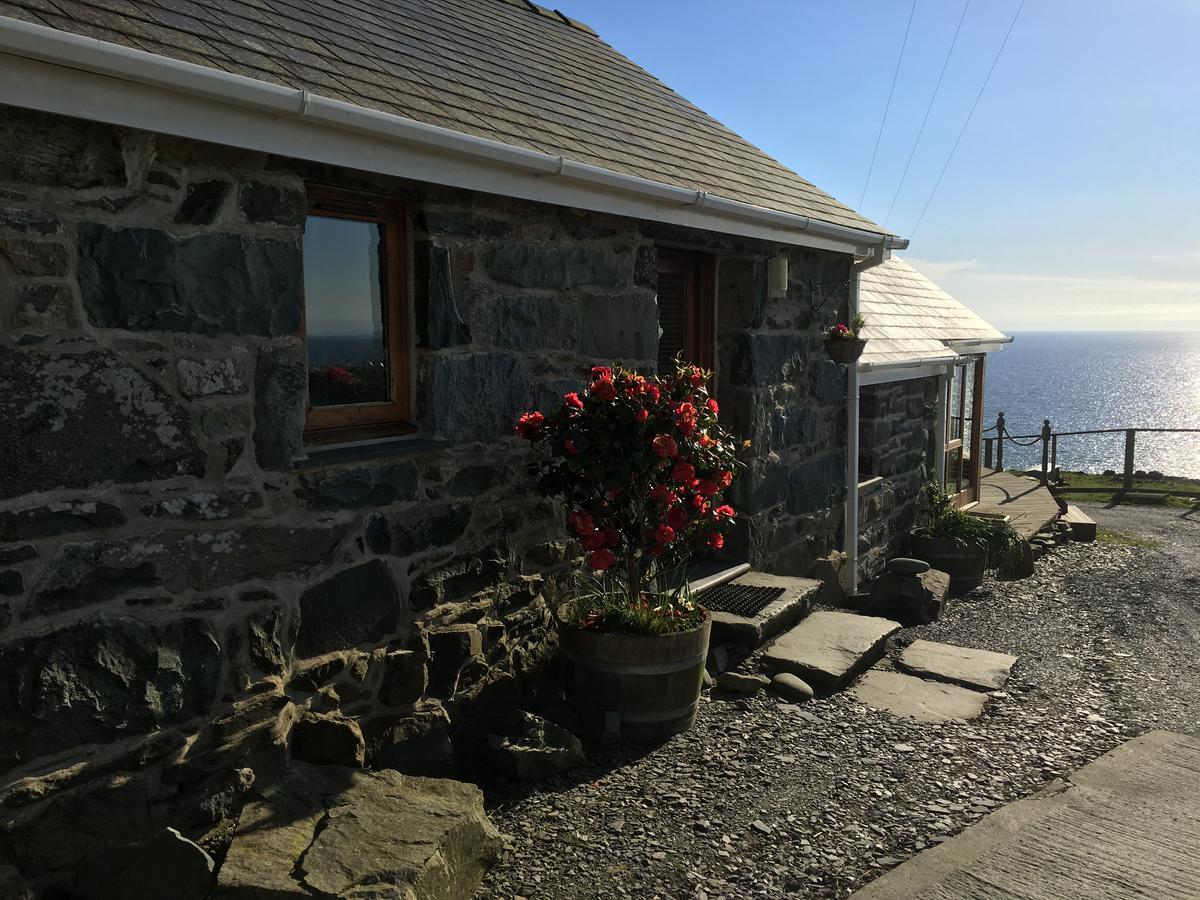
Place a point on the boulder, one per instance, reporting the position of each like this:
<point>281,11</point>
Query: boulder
<point>744,685</point>
<point>167,867</point>
<point>538,750</point>
<point>916,599</point>
<point>334,832</point>
<point>417,744</point>
<point>903,566</point>
<point>791,687</point>
<point>328,739</point>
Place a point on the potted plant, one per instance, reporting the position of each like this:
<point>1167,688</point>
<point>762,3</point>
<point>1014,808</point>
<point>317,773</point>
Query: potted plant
<point>842,343</point>
<point>642,466</point>
<point>962,545</point>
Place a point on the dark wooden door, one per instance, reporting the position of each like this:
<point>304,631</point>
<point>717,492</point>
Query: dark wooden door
<point>685,308</point>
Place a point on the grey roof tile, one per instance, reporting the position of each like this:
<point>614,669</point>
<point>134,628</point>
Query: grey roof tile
<point>910,318</point>
<point>496,68</point>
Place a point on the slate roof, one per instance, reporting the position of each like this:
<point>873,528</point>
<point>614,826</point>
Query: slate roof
<point>499,69</point>
<point>909,317</point>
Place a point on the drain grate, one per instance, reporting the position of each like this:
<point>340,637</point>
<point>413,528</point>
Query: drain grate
<point>740,599</point>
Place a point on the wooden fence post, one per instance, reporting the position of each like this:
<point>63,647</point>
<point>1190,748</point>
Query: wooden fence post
<point>1045,451</point>
<point>999,442</point>
<point>1130,443</point>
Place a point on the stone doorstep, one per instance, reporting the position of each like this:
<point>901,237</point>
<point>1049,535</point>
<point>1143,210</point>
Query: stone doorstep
<point>982,670</point>
<point>829,649</point>
<point>778,616</point>
<point>915,698</point>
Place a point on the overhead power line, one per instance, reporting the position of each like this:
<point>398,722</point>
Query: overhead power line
<point>928,109</point>
<point>967,122</point>
<point>888,105</point>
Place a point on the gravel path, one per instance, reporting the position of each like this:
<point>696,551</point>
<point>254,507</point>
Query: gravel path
<point>764,799</point>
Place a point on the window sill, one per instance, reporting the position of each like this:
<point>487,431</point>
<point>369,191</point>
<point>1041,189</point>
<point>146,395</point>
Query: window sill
<point>358,451</point>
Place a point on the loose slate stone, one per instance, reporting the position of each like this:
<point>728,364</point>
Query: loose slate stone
<point>829,648</point>
<point>741,684</point>
<point>915,698</point>
<point>140,279</point>
<point>75,421</point>
<point>334,832</point>
<point>980,669</point>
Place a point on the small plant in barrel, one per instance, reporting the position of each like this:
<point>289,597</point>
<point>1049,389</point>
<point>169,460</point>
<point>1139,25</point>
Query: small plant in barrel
<point>644,467</point>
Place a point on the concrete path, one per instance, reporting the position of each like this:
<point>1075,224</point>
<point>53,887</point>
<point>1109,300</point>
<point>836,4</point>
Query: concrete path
<point>1123,827</point>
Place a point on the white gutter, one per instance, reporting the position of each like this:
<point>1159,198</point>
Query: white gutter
<point>852,443</point>
<point>894,364</point>
<point>276,106</point>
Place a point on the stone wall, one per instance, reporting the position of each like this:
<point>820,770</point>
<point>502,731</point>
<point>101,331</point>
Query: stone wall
<point>166,546</point>
<point>896,429</point>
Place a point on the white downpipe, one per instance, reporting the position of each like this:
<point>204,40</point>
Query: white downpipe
<point>852,442</point>
<point>274,103</point>
<point>943,422</point>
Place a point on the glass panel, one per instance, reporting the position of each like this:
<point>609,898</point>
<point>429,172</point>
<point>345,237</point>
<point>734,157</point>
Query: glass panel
<point>344,315</point>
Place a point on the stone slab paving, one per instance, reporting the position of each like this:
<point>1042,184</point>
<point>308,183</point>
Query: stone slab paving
<point>1125,826</point>
<point>828,649</point>
<point>914,698</point>
<point>779,615</point>
<point>980,669</point>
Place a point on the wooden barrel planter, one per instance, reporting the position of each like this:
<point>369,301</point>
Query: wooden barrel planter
<point>845,350</point>
<point>964,565</point>
<point>649,685</point>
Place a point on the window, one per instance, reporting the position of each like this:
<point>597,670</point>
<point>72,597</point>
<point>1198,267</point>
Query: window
<point>685,308</point>
<point>355,317</point>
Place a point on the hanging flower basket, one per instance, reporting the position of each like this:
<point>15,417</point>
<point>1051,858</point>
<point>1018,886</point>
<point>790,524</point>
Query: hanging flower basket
<point>845,350</point>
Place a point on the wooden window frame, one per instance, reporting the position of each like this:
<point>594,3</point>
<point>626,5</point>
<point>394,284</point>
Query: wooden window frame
<point>700,316</point>
<point>362,421</point>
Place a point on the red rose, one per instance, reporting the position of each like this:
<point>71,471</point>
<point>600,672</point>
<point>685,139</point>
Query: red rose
<point>569,446</point>
<point>664,534</point>
<point>602,373</point>
<point>530,425</point>
<point>676,517</point>
<point>612,537</point>
<point>641,416</point>
<point>698,502</point>
<point>592,541</point>
<point>603,390</point>
<point>663,495</point>
<point>712,406</point>
<point>601,559</point>
<point>572,399</point>
<point>725,478</point>
<point>685,418</point>
<point>706,441</point>
<point>581,521</point>
<point>684,473</point>
<point>707,487</point>
<point>716,541</point>
<point>725,511</point>
<point>665,446</point>
<point>651,391</point>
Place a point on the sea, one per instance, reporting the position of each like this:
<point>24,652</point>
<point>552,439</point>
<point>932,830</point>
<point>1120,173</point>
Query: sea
<point>1099,379</point>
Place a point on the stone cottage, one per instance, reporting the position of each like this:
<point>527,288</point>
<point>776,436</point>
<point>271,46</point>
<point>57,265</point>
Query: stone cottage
<point>275,280</point>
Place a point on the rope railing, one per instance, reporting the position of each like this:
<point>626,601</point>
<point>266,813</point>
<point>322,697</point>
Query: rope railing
<point>1048,438</point>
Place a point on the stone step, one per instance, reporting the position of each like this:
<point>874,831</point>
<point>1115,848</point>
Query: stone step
<point>982,670</point>
<point>752,631</point>
<point>915,698</point>
<point>830,649</point>
<point>1083,526</point>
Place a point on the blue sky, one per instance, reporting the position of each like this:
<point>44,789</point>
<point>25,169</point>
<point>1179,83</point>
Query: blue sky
<point>1073,201</point>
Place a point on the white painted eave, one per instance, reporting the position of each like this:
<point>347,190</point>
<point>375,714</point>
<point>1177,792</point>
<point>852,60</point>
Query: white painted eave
<point>68,74</point>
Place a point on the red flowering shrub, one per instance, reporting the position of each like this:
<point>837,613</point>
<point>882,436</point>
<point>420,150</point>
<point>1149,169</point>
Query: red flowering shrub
<point>642,464</point>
